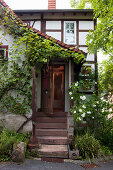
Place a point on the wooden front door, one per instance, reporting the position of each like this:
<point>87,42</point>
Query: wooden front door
<point>53,88</point>
<point>58,88</point>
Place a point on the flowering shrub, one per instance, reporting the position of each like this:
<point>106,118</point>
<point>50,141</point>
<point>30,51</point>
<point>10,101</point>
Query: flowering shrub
<point>93,109</point>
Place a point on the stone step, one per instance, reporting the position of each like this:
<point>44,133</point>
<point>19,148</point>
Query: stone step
<point>57,151</point>
<point>55,114</point>
<point>51,126</point>
<point>52,140</point>
<point>51,120</point>
<point>51,132</point>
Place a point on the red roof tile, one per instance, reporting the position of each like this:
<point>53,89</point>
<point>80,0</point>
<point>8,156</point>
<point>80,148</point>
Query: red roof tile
<point>43,34</point>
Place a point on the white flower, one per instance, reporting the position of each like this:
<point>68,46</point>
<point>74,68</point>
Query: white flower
<point>110,109</point>
<point>84,106</point>
<point>75,111</point>
<point>71,97</point>
<point>94,105</point>
<point>92,117</point>
<point>70,93</point>
<point>76,84</point>
<point>97,102</point>
<point>88,112</point>
<point>101,98</point>
<point>80,110</point>
<point>83,97</point>
<point>79,118</point>
<point>103,110</point>
<point>83,115</point>
<point>95,82</point>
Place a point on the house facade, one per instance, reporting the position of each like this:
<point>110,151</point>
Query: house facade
<point>53,126</point>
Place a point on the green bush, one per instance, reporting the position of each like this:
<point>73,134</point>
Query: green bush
<point>93,111</point>
<point>105,136</point>
<point>7,139</point>
<point>106,151</point>
<point>88,146</point>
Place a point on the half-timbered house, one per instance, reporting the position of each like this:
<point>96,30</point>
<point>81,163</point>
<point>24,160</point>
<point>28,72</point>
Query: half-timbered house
<point>53,126</point>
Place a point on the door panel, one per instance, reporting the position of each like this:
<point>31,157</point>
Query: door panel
<point>58,88</point>
<point>53,88</point>
<point>47,89</point>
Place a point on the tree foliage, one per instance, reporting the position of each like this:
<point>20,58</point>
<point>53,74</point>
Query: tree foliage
<point>106,76</point>
<point>102,36</point>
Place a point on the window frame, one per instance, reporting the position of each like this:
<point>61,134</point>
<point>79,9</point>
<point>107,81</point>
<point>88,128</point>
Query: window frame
<point>74,32</point>
<point>85,72</point>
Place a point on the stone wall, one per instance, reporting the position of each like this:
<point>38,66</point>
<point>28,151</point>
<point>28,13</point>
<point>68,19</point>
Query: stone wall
<point>15,122</point>
<point>70,127</point>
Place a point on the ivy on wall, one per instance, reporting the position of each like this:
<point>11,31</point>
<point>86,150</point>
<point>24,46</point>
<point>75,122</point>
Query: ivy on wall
<point>28,50</point>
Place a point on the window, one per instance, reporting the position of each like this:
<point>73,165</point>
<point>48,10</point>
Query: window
<point>86,70</point>
<point>70,32</point>
<point>3,52</point>
<point>87,74</point>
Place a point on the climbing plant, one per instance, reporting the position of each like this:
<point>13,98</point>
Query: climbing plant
<point>29,50</point>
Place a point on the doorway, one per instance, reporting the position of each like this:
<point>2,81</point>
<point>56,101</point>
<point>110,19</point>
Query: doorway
<point>58,88</point>
<point>53,88</point>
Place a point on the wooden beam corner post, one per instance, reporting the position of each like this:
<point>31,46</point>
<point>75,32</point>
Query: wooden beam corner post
<point>33,106</point>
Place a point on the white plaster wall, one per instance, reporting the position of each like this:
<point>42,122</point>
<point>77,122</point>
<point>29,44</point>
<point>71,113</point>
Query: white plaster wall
<point>31,23</point>
<point>53,25</point>
<point>56,35</point>
<point>86,25</point>
<point>6,40</point>
<point>67,101</point>
<point>37,25</point>
<point>9,40</point>
<point>82,38</point>
<point>90,57</point>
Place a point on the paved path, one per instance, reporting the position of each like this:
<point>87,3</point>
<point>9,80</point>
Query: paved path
<point>40,165</point>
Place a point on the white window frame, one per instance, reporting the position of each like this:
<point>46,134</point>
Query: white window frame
<point>74,32</point>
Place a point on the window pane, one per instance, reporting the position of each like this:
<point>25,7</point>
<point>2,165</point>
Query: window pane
<point>67,25</point>
<point>67,31</point>
<point>72,39</point>
<point>72,26</point>
<point>69,39</point>
<point>72,31</point>
<point>1,54</point>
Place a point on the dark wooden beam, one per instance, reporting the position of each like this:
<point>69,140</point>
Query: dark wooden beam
<point>33,105</point>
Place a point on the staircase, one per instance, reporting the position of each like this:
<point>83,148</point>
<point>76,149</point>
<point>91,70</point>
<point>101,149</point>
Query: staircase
<point>51,134</point>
